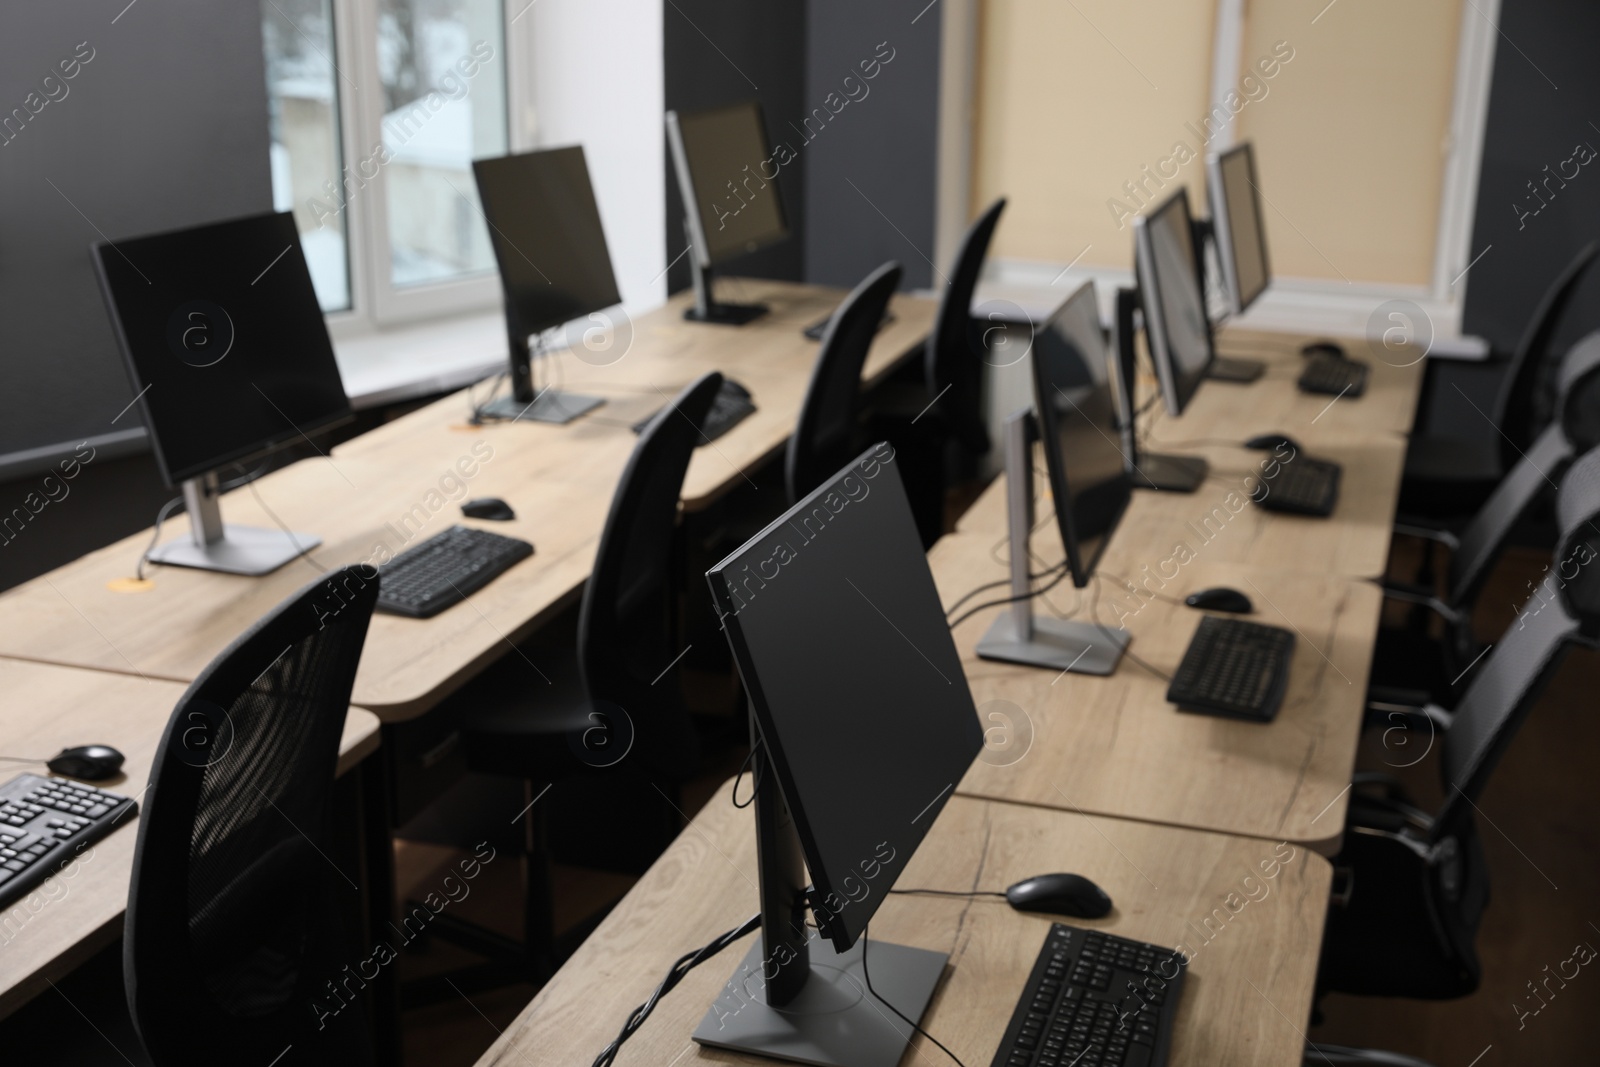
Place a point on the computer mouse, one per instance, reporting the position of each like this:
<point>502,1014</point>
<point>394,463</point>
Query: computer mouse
<point>1059,894</point>
<point>1220,599</point>
<point>1323,348</point>
<point>488,507</point>
<point>89,762</point>
<point>1274,442</point>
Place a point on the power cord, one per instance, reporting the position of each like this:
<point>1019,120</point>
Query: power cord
<point>1046,573</point>
<point>1135,589</point>
<point>166,512</point>
<point>304,552</point>
<point>680,968</point>
<point>1011,599</point>
<point>755,779</point>
<point>876,996</point>
<point>953,892</point>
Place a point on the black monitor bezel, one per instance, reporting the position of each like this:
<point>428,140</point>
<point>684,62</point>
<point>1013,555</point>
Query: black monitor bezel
<point>1176,392</point>
<point>517,323</point>
<point>1056,464</point>
<point>1222,225</point>
<point>98,251</point>
<point>699,245</point>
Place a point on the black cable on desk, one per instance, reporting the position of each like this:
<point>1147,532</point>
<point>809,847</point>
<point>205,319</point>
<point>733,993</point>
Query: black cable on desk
<point>964,616</point>
<point>897,1011</point>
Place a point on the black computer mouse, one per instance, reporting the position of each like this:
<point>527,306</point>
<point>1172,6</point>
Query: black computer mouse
<point>1220,599</point>
<point>488,507</point>
<point>1273,442</point>
<point>1060,894</point>
<point>1323,348</point>
<point>89,762</point>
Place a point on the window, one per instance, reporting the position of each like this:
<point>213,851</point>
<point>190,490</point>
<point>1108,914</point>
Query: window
<point>378,108</point>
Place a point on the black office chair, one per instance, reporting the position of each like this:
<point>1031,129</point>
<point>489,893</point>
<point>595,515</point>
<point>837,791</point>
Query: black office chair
<point>1447,476</point>
<point>232,933</point>
<point>613,707</point>
<point>946,406</point>
<point>827,435</point>
<point>1412,885</point>
<point>1411,659</point>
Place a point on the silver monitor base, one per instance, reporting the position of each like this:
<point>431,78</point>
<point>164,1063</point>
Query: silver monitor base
<point>1058,644</point>
<point>248,550</point>
<point>548,406</point>
<point>834,1022</point>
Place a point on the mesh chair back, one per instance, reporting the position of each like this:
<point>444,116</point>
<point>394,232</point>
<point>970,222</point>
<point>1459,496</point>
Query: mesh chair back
<point>1576,430</point>
<point>1514,407</point>
<point>825,436</point>
<point>624,625</point>
<point>1563,611</point>
<point>232,937</point>
<point>953,360</point>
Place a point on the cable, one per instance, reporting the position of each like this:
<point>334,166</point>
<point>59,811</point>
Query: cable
<point>475,409</point>
<point>897,1011</point>
<point>755,779</point>
<point>679,969</point>
<point>1094,613</point>
<point>21,759</point>
<point>155,535</point>
<point>1010,599</point>
<point>954,892</point>
<point>953,608</point>
<point>1135,589</point>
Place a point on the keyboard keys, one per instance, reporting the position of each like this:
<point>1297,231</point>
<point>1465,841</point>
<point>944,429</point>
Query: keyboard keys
<point>42,822</point>
<point>1234,668</point>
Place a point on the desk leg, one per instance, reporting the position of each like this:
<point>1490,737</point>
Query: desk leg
<point>377,843</point>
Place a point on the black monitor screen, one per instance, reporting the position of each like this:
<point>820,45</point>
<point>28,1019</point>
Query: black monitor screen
<point>1076,407</point>
<point>545,229</point>
<point>858,691</point>
<point>1241,239</point>
<point>1169,291</point>
<point>725,167</point>
<point>223,338</point>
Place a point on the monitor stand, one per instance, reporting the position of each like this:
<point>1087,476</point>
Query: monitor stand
<point>793,997</point>
<point>1018,635</point>
<point>705,307</point>
<point>526,405</point>
<point>248,550</point>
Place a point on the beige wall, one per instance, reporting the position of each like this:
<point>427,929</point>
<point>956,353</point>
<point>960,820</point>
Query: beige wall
<point>1352,149</point>
<point>1065,115</point>
<point>1349,115</point>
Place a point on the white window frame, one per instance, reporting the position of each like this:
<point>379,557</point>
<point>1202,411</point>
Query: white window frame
<point>375,303</point>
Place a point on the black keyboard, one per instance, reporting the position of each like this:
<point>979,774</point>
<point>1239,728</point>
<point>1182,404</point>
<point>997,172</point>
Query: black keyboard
<point>45,823</point>
<point>1235,669</point>
<point>731,407</point>
<point>1334,375</point>
<point>446,569</point>
<point>1302,486</point>
<point>1094,1000</point>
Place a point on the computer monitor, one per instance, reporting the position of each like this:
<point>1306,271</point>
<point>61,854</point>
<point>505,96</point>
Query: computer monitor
<point>731,205</point>
<point>1175,323</point>
<point>862,724</point>
<point>228,354</point>
<point>1076,415</point>
<point>545,228</point>
<point>1237,229</point>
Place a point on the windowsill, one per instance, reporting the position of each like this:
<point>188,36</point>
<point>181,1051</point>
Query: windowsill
<point>420,359</point>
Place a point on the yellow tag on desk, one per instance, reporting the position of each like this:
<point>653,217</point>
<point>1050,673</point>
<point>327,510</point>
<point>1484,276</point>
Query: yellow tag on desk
<point>130,585</point>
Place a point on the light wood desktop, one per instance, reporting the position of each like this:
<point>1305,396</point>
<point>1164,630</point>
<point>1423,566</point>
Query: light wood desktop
<point>1246,995</point>
<point>406,480</point>
<point>1218,522</point>
<point>48,708</point>
<point>1114,746</point>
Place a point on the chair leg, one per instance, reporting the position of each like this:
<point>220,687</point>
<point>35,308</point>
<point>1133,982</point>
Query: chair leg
<point>1318,1055</point>
<point>538,898</point>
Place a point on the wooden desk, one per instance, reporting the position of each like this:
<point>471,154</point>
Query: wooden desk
<point>1353,541</point>
<point>411,475</point>
<point>48,708</point>
<point>1165,882</point>
<point>1113,745</point>
<point>1274,402</point>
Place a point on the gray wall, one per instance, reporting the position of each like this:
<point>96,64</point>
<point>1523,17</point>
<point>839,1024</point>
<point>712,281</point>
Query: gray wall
<point>165,126</point>
<point>878,153</point>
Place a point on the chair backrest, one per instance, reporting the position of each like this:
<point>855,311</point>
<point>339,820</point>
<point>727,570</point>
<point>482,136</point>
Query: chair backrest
<point>1575,430</point>
<point>232,941</point>
<point>824,439</point>
<point>1514,405</point>
<point>625,625</point>
<point>1563,611</point>
<point>953,365</point>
